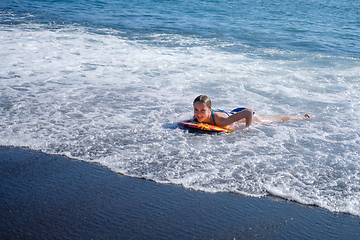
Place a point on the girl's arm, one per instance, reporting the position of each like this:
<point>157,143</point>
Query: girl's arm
<point>223,121</point>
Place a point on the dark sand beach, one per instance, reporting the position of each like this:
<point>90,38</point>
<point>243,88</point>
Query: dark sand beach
<point>53,197</point>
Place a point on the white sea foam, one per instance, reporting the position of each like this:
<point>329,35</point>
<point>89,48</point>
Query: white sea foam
<point>107,99</point>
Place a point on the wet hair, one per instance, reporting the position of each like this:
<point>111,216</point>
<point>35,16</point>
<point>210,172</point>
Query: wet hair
<point>203,99</point>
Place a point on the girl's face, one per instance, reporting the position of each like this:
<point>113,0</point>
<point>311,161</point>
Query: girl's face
<point>201,112</point>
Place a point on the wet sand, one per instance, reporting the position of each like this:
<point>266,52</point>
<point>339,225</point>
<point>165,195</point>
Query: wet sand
<point>52,197</point>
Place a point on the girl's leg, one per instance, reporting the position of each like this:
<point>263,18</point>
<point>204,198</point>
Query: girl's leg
<point>256,118</point>
<point>287,118</point>
<point>280,119</point>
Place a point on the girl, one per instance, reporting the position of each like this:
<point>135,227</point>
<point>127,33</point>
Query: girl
<point>205,114</point>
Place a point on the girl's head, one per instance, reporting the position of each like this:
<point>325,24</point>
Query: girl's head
<point>203,99</point>
<point>202,108</point>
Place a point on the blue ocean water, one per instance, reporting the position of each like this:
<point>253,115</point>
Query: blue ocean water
<point>107,81</point>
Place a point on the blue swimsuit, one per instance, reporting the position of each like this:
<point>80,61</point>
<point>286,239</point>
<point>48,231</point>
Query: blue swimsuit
<point>230,113</point>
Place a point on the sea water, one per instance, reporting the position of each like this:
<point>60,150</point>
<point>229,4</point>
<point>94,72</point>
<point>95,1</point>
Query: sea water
<point>107,81</point>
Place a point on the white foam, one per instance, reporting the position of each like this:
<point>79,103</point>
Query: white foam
<point>107,99</point>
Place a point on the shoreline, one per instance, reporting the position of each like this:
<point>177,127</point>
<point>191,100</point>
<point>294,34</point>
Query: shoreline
<point>54,197</point>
